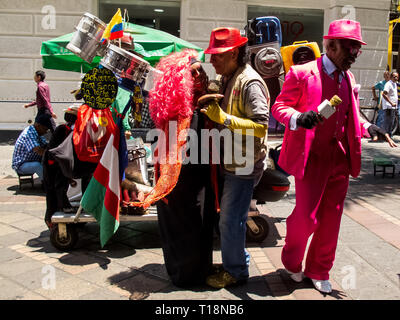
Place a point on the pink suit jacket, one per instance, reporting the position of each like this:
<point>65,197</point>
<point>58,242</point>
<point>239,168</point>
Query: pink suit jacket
<point>302,91</point>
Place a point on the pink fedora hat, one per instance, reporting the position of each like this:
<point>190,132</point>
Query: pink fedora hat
<point>345,29</point>
<point>225,39</point>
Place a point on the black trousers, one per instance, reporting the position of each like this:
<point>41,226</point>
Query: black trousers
<point>186,226</point>
<point>388,120</point>
<point>56,187</point>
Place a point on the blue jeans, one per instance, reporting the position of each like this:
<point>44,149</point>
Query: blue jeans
<point>236,196</point>
<point>31,168</point>
<point>379,119</point>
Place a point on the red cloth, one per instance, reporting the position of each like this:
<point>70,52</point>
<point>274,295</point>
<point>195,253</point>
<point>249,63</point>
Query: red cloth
<point>92,130</point>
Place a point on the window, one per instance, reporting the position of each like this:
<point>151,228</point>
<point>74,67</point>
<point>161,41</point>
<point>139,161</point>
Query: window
<point>162,15</point>
<point>297,24</point>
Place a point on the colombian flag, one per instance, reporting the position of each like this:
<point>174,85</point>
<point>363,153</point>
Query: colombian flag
<point>114,29</point>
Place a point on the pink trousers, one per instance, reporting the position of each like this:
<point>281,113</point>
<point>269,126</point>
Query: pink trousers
<point>319,205</point>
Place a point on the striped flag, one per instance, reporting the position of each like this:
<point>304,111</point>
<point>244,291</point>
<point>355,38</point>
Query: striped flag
<point>114,29</point>
<point>102,196</point>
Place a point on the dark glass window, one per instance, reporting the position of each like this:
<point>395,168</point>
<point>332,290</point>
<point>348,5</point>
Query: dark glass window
<point>162,15</point>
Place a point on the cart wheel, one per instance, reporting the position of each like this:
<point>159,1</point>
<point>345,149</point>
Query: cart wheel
<point>64,244</point>
<point>263,230</point>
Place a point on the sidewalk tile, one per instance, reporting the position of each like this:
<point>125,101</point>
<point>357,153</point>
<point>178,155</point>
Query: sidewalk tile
<point>15,267</point>
<point>68,289</point>
<point>11,290</point>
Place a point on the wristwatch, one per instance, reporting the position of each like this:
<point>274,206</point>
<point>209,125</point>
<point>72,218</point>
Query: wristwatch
<point>227,121</point>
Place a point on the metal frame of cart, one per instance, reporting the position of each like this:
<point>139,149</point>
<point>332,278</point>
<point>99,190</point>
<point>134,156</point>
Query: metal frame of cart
<point>64,233</point>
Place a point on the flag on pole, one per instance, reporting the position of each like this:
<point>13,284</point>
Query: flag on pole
<point>102,196</point>
<point>114,29</point>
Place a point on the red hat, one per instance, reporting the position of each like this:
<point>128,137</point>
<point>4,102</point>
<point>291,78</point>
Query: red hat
<point>345,29</point>
<point>225,39</point>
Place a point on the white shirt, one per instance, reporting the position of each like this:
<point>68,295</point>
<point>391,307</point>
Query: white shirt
<point>391,90</point>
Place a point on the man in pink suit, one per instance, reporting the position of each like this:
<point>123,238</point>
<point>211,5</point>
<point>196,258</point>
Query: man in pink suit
<point>320,153</point>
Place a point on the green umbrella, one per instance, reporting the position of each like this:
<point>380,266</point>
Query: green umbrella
<point>152,44</point>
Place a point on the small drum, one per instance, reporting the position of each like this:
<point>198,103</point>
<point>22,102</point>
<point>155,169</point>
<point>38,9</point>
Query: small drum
<point>125,64</point>
<point>85,42</point>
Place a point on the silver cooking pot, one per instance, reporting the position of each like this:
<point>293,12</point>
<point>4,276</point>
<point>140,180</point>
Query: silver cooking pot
<point>85,41</point>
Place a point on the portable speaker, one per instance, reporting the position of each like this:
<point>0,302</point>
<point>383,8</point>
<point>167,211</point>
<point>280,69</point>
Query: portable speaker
<point>265,38</point>
<point>299,52</point>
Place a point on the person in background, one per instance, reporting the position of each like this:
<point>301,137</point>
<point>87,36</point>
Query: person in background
<point>320,154</point>
<point>30,147</point>
<point>389,102</point>
<point>378,133</point>
<point>378,98</point>
<point>56,184</point>
<point>43,98</point>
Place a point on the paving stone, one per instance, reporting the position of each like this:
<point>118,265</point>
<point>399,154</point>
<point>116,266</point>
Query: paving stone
<point>357,276</point>
<point>102,294</point>
<point>174,293</point>
<point>5,230</point>
<point>7,254</point>
<point>19,237</point>
<point>32,296</point>
<point>11,290</point>
<point>13,217</point>
<point>68,289</point>
<point>37,278</point>
<point>13,268</point>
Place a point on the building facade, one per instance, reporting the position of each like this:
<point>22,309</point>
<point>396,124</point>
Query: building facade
<point>25,24</point>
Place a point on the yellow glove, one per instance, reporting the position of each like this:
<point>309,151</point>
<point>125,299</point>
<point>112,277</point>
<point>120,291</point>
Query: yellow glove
<point>216,114</point>
<point>259,130</point>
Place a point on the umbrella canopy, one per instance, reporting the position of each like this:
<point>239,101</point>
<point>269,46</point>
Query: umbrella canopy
<point>152,44</point>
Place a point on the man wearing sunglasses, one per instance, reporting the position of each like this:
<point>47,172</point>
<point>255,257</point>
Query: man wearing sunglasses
<point>320,153</point>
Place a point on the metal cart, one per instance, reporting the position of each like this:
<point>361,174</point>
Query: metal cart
<point>64,234</point>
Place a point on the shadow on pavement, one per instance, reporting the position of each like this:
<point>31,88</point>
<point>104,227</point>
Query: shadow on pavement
<point>142,282</point>
<point>27,189</point>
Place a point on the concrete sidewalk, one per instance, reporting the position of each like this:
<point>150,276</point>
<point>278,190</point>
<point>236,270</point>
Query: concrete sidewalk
<point>367,262</point>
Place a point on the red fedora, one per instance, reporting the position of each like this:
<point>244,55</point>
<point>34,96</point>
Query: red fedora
<point>345,29</point>
<point>225,39</point>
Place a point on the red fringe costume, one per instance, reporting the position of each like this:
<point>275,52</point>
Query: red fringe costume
<point>170,100</point>
<point>186,212</point>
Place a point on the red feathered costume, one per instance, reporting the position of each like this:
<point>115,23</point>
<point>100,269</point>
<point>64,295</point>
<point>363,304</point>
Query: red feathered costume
<point>170,100</point>
<point>186,210</point>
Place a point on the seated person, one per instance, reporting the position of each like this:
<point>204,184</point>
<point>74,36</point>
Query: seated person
<point>376,132</point>
<point>30,147</point>
<point>56,184</point>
